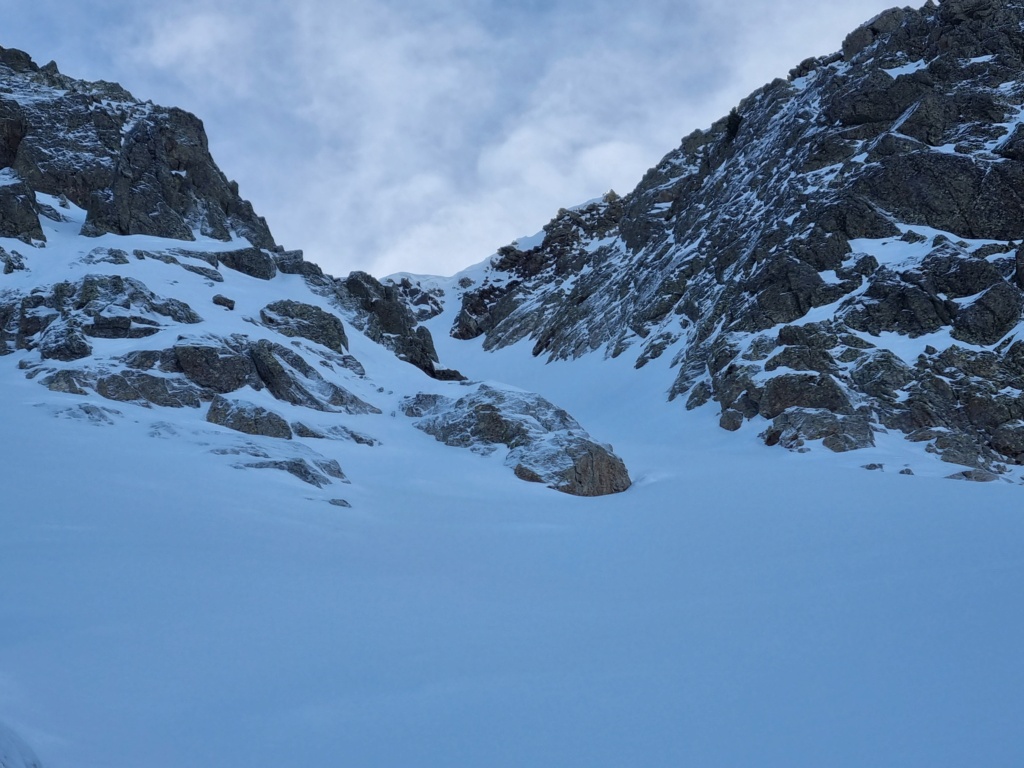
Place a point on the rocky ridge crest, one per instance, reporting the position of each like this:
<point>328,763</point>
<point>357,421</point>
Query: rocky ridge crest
<point>841,255</point>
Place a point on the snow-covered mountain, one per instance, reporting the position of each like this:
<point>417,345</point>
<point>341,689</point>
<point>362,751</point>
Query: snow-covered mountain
<point>259,515</point>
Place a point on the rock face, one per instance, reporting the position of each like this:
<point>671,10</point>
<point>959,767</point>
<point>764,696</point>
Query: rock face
<point>873,195</point>
<point>245,417</point>
<point>136,168</point>
<point>546,445</point>
<point>382,315</point>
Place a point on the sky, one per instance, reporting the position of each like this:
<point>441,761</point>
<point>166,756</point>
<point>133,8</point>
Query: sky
<point>397,135</point>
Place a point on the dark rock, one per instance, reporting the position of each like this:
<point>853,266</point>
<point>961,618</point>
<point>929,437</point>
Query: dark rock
<point>292,263</point>
<point>216,366</point>
<point>13,262</point>
<point>295,319</point>
<point>804,391</point>
<point>381,314</point>
<point>793,427</point>
<point>975,475</point>
<point>69,381</point>
<point>1008,440</point>
<point>19,212</point>
<point>250,261</point>
<point>63,340</point>
<point>223,301</point>
<point>546,444</point>
<point>299,468</point>
<point>731,420</point>
<point>802,359</point>
<point>990,317</point>
<point>890,304</point>
<point>281,370</point>
<point>145,388</point>
<point>248,418</point>
<point>881,374</point>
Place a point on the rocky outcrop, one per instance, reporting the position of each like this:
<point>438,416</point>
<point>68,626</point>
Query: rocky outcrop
<point>134,167</point>
<point>545,444</point>
<point>379,312</point>
<point>295,319</point>
<point>59,321</point>
<point>246,417</point>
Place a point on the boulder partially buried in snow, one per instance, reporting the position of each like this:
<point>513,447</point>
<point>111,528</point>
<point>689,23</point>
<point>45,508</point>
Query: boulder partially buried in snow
<point>545,443</point>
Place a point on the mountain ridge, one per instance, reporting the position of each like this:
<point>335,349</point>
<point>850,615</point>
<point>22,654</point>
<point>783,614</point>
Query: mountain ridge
<point>872,194</point>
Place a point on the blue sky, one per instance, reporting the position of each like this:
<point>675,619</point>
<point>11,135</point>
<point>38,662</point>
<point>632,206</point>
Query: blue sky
<point>394,135</point>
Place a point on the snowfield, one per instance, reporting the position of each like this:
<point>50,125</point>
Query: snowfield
<point>738,606</point>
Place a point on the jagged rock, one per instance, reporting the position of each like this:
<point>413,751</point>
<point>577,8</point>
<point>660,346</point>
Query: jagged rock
<point>975,475</point>
<point>295,319</point>
<point>881,374</point>
<point>19,212</point>
<point>69,381</point>
<point>989,317</point>
<point>958,276</point>
<point>300,468</point>
<point>890,304</point>
<point>546,444</point>
<point>1008,440</point>
<point>63,340</point>
<point>207,272</point>
<point>145,388</point>
<point>802,359</point>
<point>292,263</point>
<point>249,418</point>
<point>804,391</point>
<point>214,365</point>
<point>301,430</point>
<point>134,167</point>
<point>838,433</point>
<point>250,261</point>
<point>281,370</point>
<point>13,262</point>
<point>730,420</point>
<point>384,318</point>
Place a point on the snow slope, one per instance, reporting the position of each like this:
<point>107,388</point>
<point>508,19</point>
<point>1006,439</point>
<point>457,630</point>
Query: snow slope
<point>737,606</point>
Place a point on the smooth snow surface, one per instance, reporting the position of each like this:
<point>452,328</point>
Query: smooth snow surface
<point>738,606</point>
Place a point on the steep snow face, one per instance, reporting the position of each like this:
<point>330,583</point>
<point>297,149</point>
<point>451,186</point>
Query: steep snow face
<point>845,244</point>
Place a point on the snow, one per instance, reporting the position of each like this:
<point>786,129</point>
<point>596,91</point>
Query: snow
<point>739,605</point>
<point>906,69</point>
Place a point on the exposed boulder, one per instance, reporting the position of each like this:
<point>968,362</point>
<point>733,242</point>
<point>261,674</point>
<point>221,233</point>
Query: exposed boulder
<point>19,212</point>
<point>146,388</point>
<point>216,364</point>
<point>246,417</point>
<point>838,433</point>
<point>250,261</point>
<point>545,443</point>
<point>803,390</point>
<point>295,319</point>
<point>303,470</point>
